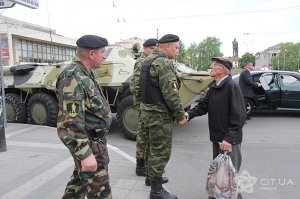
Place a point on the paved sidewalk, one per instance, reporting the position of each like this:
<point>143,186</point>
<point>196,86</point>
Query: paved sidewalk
<point>37,165</point>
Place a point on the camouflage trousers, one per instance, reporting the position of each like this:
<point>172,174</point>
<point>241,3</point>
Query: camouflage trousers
<point>94,185</point>
<point>158,127</point>
<point>140,138</point>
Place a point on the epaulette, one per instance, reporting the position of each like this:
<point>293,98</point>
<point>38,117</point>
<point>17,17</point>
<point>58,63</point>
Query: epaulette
<point>70,70</point>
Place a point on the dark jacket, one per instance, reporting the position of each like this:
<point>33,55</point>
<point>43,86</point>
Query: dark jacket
<point>246,83</point>
<point>226,111</point>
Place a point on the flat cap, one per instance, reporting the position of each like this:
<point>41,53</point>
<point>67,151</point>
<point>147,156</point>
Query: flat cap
<point>91,41</point>
<point>150,42</point>
<point>168,38</point>
<point>227,63</point>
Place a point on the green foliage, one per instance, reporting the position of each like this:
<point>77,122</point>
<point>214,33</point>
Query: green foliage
<point>181,57</point>
<point>288,57</point>
<point>198,56</point>
<point>246,57</point>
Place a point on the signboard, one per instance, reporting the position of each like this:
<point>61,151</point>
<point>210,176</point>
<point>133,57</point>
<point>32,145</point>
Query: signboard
<point>6,4</point>
<point>28,3</point>
<point>4,46</point>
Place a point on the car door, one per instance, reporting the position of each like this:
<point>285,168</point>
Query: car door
<point>290,91</point>
<point>269,82</point>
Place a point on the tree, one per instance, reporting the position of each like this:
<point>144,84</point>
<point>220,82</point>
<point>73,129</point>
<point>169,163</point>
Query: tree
<point>182,55</point>
<point>246,57</point>
<point>288,57</point>
<point>190,55</point>
<point>208,48</point>
<point>198,56</point>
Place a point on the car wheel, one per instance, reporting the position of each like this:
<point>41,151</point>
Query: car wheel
<point>249,107</point>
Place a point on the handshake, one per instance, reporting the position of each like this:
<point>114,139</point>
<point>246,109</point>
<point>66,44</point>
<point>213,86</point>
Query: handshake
<point>183,121</point>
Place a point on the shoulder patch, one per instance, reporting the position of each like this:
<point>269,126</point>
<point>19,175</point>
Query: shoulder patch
<point>72,109</point>
<point>174,86</point>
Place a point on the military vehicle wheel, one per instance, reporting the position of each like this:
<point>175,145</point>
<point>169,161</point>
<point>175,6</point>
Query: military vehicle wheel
<point>42,109</point>
<point>15,109</point>
<point>127,116</point>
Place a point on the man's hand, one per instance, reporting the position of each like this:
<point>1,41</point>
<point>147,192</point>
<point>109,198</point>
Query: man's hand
<point>182,122</point>
<point>225,146</point>
<point>89,164</point>
<point>258,84</point>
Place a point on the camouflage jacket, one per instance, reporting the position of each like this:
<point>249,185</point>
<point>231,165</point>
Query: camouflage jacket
<point>163,75</point>
<point>135,80</point>
<point>82,107</point>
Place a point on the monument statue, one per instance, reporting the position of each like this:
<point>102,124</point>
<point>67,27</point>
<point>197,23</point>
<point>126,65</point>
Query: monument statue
<point>235,47</point>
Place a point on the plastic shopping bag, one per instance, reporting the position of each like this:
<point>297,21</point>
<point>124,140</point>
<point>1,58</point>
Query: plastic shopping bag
<point>222,178</point>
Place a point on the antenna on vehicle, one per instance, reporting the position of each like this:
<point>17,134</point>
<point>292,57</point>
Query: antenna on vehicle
<point>50,32</point>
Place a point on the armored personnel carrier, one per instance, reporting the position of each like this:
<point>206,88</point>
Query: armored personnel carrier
<point>30,89</point>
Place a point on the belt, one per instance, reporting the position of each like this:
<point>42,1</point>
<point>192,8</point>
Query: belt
<point>98,134</point>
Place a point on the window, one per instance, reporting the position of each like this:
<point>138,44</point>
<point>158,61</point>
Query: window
<point>290,81</point>
<point>30,51</point>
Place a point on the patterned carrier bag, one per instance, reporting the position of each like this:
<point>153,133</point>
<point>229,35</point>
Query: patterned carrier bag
<point>222,178</point>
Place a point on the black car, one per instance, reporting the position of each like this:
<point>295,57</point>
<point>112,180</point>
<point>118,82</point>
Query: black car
<point>280,90</point>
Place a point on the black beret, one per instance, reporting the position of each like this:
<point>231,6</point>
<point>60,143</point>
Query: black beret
<point>168,38</point>
<point>91,41</point>
<point>227,63</point>
<point>150,42</point>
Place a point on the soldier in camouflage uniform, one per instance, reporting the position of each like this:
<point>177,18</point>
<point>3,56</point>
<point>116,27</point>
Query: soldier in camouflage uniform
<point>160,104</point>
<point>84,119</point>
<point>148,46</point>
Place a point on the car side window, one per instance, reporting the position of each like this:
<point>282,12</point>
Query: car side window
<point>290,81</point>
<point>273,81</point>
<point>268,81</point>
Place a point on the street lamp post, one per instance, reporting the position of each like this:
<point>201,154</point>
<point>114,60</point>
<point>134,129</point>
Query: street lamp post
<point>2,107</point>
<point>247,45</point>
<point>284,50</point>
<point>197,61</point>
<point>247,41</point>
<point>30,4</point>
<point>299,61</point>
<point>201,59</point>
<point>278,62</point>
<point>284,60</point>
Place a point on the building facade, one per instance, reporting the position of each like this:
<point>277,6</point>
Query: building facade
<point>23,42</point>
<point>264,58</point>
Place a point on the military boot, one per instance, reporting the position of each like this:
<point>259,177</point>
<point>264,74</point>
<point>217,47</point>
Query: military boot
<point>158,192</point>
<point>163,180</point>
<point>140,167</point>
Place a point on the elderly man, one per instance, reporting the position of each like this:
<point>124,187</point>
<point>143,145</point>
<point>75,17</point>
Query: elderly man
<point>225,106</point>
<point>84,119</point>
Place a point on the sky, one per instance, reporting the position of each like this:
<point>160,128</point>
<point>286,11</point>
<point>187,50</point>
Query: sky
<point>256,24</point>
